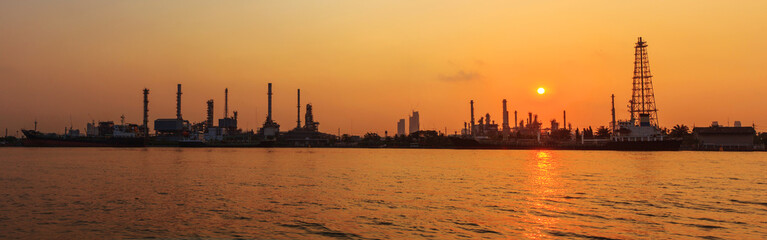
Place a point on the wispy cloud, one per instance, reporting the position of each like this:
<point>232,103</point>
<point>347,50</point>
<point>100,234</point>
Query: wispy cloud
<point>460,76</point>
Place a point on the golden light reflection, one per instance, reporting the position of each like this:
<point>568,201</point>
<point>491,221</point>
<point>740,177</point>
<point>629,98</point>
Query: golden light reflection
<point>543,182</point>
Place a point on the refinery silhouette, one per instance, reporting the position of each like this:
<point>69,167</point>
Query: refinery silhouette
<point>641,132</point>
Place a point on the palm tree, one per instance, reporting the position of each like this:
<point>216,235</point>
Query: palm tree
<point>680,131</point>
<point>603,132</point>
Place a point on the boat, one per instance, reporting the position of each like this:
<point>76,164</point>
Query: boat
<point>643,137</point>
<point>641,133</point>
<point>106,134</point>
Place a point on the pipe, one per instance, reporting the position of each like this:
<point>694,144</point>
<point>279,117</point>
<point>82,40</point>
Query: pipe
<point>226,102</point>
<point>505,117</point>
<point>564,116</point>
<point>178,103</point>
<point>269,113</point>
<point>146,112</point>
<point>472,117</point>
<point>515,119</point>
<point>613,110</point>
<point>298,114</point>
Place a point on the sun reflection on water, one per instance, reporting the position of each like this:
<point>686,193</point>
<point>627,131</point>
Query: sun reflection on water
<point>543,183</point>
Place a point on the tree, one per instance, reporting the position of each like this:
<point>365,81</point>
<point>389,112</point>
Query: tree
<point>680,131</point>
<point>561,134</point>
<point>371,139</point>
<point>577,135</point>
<point>603,132</point>
<point>762,138</point>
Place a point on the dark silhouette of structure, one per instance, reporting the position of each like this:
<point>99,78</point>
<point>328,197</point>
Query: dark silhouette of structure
<point>309,123</point>
<point>209,120</point>
<point>226,102</point>
<point>178,103</point>
<point>298,106</point>
<point>505,127</point>
<point>309,134</point>
<point>643,96</point>
<point>471,125</point>
<point>415,122</point>
<point>401,128</point>
<point>228,123</point>
<point>270,129</point>
<point>612,104</point>
<point>564,120</point>
<point>169,127</point>
<point>145,127</point>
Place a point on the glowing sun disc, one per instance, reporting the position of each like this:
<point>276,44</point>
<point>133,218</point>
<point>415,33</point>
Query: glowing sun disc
<point>541,90</point>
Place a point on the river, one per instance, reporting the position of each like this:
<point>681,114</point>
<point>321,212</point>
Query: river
<point>299,193</point>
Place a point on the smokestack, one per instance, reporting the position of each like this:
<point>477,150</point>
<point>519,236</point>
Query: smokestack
<point>515,119</point>
<point>505,117</point>
<point>472,117</point>
<point>529,118</point>
<point>564,120</point>
<point>226,102</point>
<point>269,113</point>
<point>178,103</point>
<point>613,110</point>
<point>298,115</point>
<point>209,122</point>
<point>146,112</point>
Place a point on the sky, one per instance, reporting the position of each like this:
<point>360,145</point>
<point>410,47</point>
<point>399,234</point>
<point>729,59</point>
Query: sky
<point>365,64</point>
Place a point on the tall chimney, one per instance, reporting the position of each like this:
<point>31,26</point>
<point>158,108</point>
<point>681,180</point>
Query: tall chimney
<point>178,103</point>
<point>298,115</point>
<point>209,122</point>
<point>515,119</point>
<point>269,113</point>
<point>226,102</point>
<point>613,110</point>
<point>472,117</point>
<point>505,117</point>
<point>146,112</point>
<point>564,120</point>
<point>529,118</point>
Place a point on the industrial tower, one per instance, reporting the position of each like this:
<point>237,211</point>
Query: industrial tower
<point>643,97</point>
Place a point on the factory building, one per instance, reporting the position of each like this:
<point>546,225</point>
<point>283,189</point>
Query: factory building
<point>270,129</point>
<point>172,128</point>
<point>309,134</point>
<point>718,137</point>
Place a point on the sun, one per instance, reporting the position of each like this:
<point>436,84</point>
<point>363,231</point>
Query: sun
<point>541,91</point>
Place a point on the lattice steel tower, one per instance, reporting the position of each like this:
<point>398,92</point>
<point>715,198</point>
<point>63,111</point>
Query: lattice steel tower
<point>643,97</point>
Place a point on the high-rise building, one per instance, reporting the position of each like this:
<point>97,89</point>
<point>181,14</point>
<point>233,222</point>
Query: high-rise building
<point>401,127</point>
<point>415,124</point>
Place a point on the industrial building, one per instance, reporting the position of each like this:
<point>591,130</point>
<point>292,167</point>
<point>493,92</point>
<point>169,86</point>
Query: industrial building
<point>270,129</point>
<point>718,137</point>
<point>172,129</point>
<point>309,134</point>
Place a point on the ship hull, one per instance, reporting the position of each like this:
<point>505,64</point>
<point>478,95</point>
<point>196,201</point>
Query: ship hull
<point>664,145</point>
<point>35,140</point>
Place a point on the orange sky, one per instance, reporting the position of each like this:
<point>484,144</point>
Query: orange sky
<point>365,64</point>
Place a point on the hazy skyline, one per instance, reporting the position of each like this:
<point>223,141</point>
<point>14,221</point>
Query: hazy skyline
<point>366,64</point>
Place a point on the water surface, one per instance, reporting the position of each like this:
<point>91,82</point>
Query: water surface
<point>380,193</point>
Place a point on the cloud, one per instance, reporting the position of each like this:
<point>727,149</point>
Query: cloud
<point>460,76</point>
